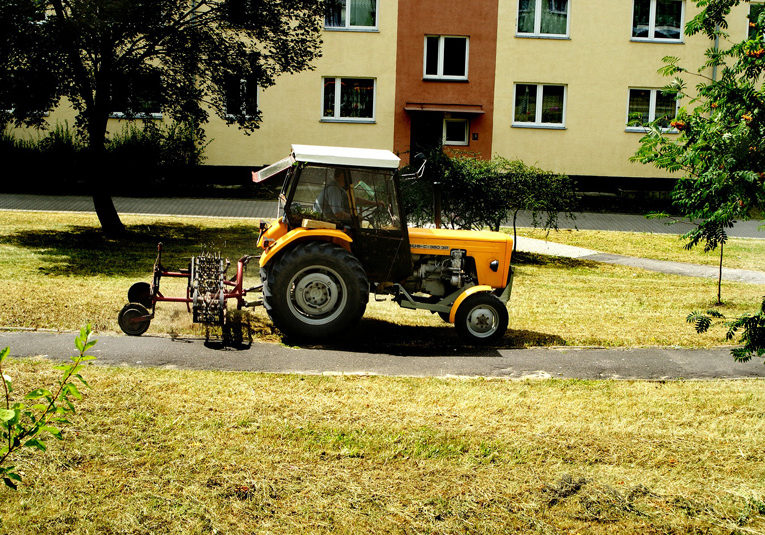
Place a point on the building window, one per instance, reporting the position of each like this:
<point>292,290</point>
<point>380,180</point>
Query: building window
<point>540,105</point>
<point>657,20</point>
<point>446,57</point>
<point>351,14</point>
<point>138,96</point>
<point>239,11</point>
<point>348,99</point>
<point>647,105</point>
<point>754,13</point>
<point>543,18</point>
<point>241,96</point>
<point>455,131</point>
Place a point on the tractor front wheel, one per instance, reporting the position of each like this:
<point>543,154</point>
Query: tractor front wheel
<point>481,319</point>
<point>315,290</point>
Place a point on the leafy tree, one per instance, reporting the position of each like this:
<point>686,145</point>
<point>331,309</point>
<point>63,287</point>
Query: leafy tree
<point>23,426</point>
<point>186,56</point>
<point>720,149</point>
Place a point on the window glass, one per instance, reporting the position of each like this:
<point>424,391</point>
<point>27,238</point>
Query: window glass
<point>357,97</point>
<point>639,107</point>
<point>454,56</point>
<point>525,103</point>
<point>329,97</point>
<point>641,18</point>
<point>668,14</point>
<point>334,16</point>
<point>374,196</point>
<point>455,132</point>
<point>666,106</point>
<point>139,95</point>
<point>363,12</point>
<point>554,15</point>
<point>754,13</point>
<point>431,55</point>
<point>526,11</point>
<point>552,104</point>
<point>321,194</point>
<point>241,96</point>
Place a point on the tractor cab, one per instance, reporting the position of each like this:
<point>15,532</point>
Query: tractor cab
<point>351,190</point>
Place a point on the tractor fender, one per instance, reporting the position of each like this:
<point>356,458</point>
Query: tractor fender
<point>301,234</point>
<point>464,295</point>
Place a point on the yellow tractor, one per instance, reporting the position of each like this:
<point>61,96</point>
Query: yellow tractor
<point>340,235</point>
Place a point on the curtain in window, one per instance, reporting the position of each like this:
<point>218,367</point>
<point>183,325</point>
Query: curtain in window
<point>525,103</point>
<point>639,107</point>
<point>526,9</point>
<point>665,108</point>
<point>552,104</point>
<point>641,18</point>
<point>357,97</point>
<point>329,97</point>
<point>335,14</point>
<point>363,12</point>
<point>554,14</point>
<point>668,14</point>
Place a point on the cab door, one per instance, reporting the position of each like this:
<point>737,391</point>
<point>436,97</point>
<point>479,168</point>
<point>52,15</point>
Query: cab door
<point>381,241</point>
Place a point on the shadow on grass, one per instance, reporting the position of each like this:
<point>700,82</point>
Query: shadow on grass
<point>379,336</point>
<point>533,259</point>
<point>85,251</point>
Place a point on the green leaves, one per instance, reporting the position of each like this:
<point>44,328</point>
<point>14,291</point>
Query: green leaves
<point>27,427</point>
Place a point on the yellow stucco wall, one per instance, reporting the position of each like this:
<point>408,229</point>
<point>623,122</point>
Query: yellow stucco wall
<point>292,107</point>
<point>598,64</point>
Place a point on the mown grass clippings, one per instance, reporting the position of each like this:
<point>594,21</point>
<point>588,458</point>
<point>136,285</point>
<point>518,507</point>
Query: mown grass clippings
<point>58,271</point>
<point>167,451</point>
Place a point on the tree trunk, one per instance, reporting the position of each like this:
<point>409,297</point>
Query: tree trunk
<point>99,175</point>
<point>719,276</point>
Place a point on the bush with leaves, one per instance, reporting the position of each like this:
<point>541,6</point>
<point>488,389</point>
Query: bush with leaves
<point>478,193</point>
<point>28,426</point>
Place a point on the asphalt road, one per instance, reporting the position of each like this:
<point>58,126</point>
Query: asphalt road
<point>582,363</point>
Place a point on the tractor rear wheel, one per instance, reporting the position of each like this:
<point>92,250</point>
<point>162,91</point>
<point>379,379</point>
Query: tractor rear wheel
<point>481,319</point>
<point>315,290</point>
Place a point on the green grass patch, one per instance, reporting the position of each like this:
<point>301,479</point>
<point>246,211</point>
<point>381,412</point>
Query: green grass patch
<point>167,451</point>
<point>58,271</point>
<point>740,253</point>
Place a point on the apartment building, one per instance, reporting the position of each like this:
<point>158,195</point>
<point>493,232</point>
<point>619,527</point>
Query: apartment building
<point>562,84</point>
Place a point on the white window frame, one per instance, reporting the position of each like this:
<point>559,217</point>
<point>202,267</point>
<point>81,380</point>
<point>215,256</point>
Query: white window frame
<point>651,110</point>
<point>538,23</point>
<point>440,66</point>
<point>467,132</point>
<point>538,114</point>
<point>242,89</point>
<point>338,89</point>
<point>349,28</point>
<point>652,25</point>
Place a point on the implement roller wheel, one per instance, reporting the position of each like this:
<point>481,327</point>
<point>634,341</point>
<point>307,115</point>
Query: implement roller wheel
<point>134,319</point>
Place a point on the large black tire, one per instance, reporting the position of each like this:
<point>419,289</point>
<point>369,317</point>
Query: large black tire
<point>134,319</point>
<point>315,290</point>
<point>481,319</point>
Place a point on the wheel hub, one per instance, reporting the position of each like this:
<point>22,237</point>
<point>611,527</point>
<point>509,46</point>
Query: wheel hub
<point>481,321</point>
<point>316,294</point>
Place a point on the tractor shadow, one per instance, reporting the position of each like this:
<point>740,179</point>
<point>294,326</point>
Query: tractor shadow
<point>85,251</point>
<point>379,336</point>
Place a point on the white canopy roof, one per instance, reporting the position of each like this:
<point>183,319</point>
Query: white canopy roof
<point>345,156</point>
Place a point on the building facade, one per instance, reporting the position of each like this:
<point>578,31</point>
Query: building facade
<point>561,84</point>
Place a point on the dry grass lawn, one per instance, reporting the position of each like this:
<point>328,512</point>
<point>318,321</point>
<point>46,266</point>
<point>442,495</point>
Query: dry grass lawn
<point>164,451</point>
<point>57,271</point>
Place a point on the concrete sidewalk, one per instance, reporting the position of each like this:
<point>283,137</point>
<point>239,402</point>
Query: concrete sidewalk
<point>655,363</point>
<point>267,209</point>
